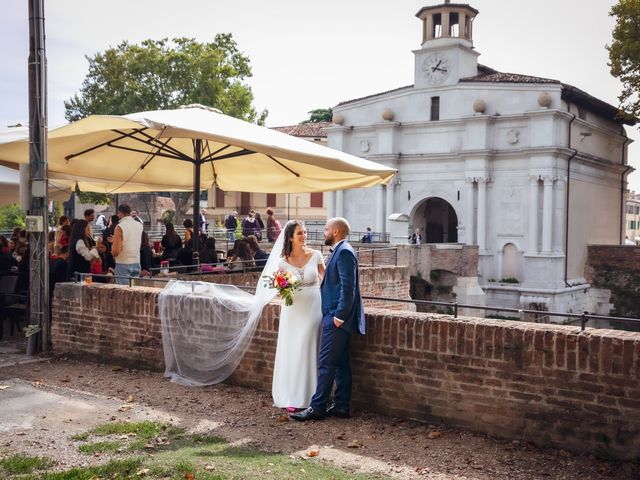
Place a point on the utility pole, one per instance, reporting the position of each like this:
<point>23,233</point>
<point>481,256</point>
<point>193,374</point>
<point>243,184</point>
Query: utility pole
<point>37,221</point>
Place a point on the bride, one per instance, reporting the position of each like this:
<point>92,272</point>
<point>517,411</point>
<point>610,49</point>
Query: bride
<point>208,327</point>
<point>296,365</point>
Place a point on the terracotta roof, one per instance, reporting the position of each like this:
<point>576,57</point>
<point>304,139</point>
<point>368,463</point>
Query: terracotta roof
<point>502,77</point>
<point>569,92</point>
<point>375,95</point>
<point>318,129</point>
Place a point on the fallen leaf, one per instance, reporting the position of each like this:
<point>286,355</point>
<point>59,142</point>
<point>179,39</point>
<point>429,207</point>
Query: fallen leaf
<point>143,472</point>
<point>354,444</point>
<point>210,467</point>
<point>126,407</point>
<point>434,435</point>
<point>189,476</point>
<point>66,380</point>
<point>282,418</point>
<point>4,387</point>
<point>130,399</point>
<point>313,453</point>
<point>303,470</point>
<point>116,368</point>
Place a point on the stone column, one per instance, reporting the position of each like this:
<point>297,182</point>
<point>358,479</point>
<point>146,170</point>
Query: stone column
<point>462,25</point>
<point>482,213</point>
<point>469,213</point>
<point>331,204</point>
<point>446,26</point>
<point>339,203</point>
<point>533,213</point>
<point>429,26</point>
<point>379,212</point>
<point>389,204</point>
<point>547,213</point>
<point>560,200</point>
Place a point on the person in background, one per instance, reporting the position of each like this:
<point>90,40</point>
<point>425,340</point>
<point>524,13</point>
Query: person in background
<point>107,235</point>
<point>80,254</point>
<point>231,224</point>
<point>90,216</point>
<point>204,225</point>
<point>51,242</point>
<point>185,256</point>
<point>58,268</point>
<point>188,229</point>
<point>65,238</point>
<point>146,256</point>
<point>7,262</point>
<point>249,224</point>
<point>368,236</point>
<point>63,220</point>
<point>258,232</point>
<point>208,254</point>
<point>171,243</point>
<point>416,237</point>
<point>136,216</point>
<point>126,246</point>
<point>259,255</point>
<point>242,260</point>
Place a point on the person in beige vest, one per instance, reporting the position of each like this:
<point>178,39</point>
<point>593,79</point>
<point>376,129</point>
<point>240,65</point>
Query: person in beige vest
<point>127,238</point>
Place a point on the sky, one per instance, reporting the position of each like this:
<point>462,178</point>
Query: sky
<point>308,55</point>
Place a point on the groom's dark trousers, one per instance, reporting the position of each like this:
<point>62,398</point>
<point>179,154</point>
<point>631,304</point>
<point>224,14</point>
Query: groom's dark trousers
<point>340,299</point>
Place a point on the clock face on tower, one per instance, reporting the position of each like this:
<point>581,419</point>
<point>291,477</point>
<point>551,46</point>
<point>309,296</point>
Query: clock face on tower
<point>435,68</point>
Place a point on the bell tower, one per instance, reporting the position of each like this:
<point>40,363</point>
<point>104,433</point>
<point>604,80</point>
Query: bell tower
<point>446,52</point>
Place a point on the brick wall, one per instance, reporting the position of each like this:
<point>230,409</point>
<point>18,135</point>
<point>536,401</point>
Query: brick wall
<point>549,384</point>
<point>616,268</point>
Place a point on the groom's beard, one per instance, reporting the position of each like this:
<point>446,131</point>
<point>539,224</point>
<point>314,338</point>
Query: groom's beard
<point>329,240</point>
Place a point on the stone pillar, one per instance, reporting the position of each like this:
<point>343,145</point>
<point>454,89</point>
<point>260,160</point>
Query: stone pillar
<point>390,204</point>
<point>339,204</point>
<point>560,194</point>
<point>462,25</point>
<point>547,213</point>
<point>469,213</point>
<point>379,211</point>
<point>482,213</point>
<point>533,213</point>
<point>446,26</point>
<point>429,27</point>
<point>331,204</point>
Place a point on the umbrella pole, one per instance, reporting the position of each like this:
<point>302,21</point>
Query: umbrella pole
<point>196,201</point>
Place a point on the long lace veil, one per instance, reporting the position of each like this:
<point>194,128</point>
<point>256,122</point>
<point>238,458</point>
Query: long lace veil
<point>207,327</point>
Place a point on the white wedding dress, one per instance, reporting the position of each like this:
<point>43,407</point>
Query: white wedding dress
<point>295,372</point>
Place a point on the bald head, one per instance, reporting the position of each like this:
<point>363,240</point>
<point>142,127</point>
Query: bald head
<point>337,229</point>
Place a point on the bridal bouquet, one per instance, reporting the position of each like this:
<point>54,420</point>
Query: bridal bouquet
<point>284,282</point>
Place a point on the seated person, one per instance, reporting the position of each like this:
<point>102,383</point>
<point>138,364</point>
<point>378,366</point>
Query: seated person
<point>259,255</point>
<point>146,256</point>
<point>184,257</point>
<point>208,254</point>
<point>242,259</point>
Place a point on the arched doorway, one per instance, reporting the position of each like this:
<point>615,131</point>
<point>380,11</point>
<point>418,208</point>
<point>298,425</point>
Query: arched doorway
<point>438,220</point>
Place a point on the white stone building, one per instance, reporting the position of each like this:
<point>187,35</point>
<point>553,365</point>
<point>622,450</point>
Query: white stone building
<point>530,169</point>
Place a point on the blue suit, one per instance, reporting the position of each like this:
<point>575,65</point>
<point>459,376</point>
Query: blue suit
<point>340,292</point>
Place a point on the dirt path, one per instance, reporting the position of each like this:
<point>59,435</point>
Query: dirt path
<point>368,442</point>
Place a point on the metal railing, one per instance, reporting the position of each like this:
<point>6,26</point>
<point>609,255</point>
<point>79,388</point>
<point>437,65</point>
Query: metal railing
<point>582,317</point>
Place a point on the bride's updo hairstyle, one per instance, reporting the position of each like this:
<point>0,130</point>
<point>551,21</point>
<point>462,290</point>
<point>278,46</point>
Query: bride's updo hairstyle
<point>289,230</point>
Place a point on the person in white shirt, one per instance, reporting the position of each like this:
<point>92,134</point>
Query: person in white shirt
<point>127,239</point>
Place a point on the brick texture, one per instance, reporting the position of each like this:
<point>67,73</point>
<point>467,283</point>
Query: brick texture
<point>549,384</point>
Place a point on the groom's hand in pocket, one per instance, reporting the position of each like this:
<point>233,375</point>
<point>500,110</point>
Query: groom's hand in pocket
<point>337,322</point>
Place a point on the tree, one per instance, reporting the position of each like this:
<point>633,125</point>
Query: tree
<point>11,216</point>
<point>624,54</point>
<point>163,74</point>
<point>319,115</point>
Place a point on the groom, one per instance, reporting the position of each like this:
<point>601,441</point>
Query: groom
<point>342,315</point>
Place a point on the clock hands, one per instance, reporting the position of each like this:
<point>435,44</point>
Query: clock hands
<point>437,67</point>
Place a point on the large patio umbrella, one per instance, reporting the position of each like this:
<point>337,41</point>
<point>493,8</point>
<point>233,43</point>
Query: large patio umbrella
<point>192,148</point>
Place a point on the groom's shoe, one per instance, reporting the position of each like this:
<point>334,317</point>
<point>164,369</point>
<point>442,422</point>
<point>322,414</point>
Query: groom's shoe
<point>308,414</point>
<point>334,411</point>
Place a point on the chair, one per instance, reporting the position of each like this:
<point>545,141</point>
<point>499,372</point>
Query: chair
<point>12,305</point>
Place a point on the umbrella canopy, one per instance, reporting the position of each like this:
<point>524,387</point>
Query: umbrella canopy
<point>158,150</point>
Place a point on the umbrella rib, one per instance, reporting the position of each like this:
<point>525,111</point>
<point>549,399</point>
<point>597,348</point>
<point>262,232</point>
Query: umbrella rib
<point>108,142</point>
<point>153,142</point>
<point>284,166</point>
<point>239,153</point>
<point>210,156</point>
<point>157,154</point>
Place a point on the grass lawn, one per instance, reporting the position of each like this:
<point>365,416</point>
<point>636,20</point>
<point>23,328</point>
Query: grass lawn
<point>155,450</point>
